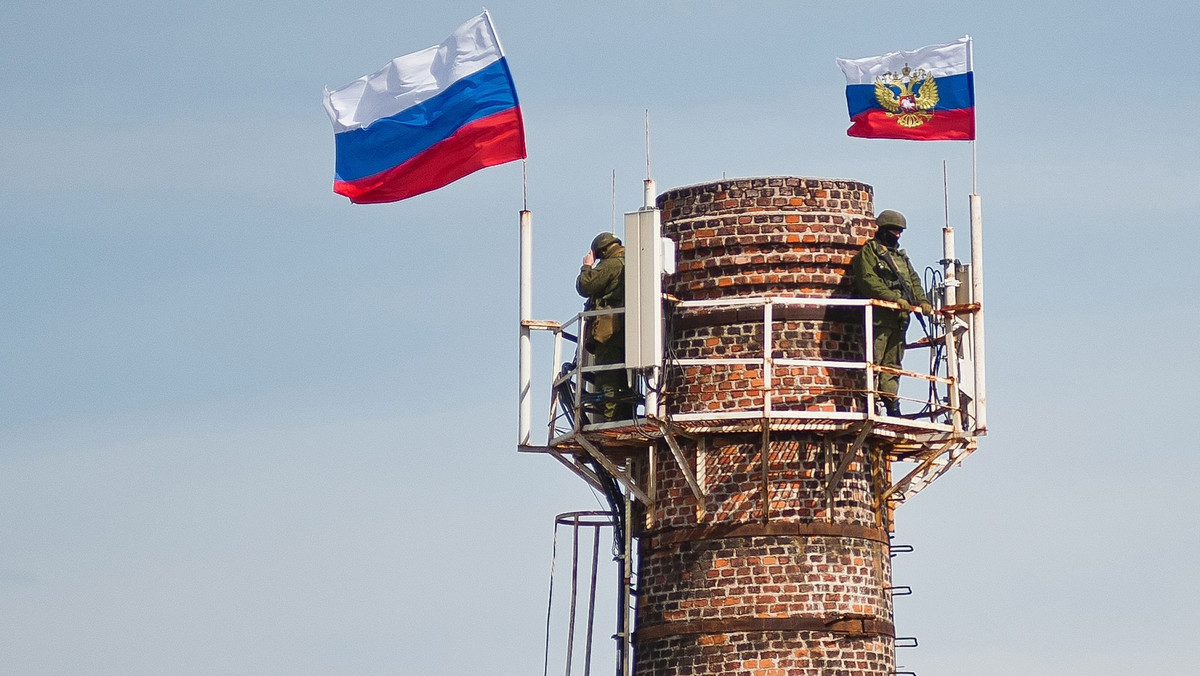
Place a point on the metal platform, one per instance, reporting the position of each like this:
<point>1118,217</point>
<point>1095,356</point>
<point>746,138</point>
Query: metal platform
<point>932,441</point>
<point>931,448</point>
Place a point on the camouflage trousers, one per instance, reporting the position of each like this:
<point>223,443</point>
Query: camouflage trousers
<point>889,351</point>
<point>616,399</point>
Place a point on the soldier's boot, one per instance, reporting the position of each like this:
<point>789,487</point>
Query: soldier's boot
<point>891,407</point>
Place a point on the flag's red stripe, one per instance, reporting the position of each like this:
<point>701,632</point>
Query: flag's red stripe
<point>946,125</point>
<point>483,143</point>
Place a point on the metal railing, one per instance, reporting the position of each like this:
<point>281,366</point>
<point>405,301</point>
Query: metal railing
<point>942,410</point>
<point>571,395</point>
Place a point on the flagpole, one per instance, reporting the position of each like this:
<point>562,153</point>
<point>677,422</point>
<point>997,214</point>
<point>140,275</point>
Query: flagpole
<point>525,349</point>
<point>977,332</point>
<point>974,169</point>
<point>492,29</point>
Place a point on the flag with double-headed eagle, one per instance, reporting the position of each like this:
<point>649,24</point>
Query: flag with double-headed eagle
<point>927,94</point>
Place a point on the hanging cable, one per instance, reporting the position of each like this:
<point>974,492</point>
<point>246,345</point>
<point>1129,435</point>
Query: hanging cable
<point>937,346</point>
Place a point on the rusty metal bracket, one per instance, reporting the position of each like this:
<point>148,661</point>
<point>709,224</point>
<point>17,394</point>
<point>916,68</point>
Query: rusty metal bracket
<point>766,466</point>
<point>844,464</point>
<point>932,465</point>
<point>688,473</point>
<point>960,309</point>
<point>617,473</point>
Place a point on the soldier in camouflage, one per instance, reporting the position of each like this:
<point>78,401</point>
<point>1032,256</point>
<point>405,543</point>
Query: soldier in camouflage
<point>602,281</point>
<point>882,270</point>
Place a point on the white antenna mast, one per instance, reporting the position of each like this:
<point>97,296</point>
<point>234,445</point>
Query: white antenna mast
<point>648,200</point>
<point>612,216</point>
<point>945,194</point>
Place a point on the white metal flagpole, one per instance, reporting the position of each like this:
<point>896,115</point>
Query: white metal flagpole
<point>977,329</point>
<point>525,358</point>
<point>977,282</point>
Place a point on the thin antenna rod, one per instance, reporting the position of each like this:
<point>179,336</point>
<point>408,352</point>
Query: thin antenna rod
<point>946,193</point>
<point>647,143</point>
<point>648,189</point>
<point>612,211</point>
<point>524,185</point>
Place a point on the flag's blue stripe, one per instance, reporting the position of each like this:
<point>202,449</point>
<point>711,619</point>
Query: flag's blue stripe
<point>391,141</point>
<point>954,92</point>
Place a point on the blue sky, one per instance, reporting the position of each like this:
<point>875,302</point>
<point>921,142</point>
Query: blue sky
<point>249,428</point>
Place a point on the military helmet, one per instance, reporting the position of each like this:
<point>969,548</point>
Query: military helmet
<point>603,241</point>
<point>890,219</point>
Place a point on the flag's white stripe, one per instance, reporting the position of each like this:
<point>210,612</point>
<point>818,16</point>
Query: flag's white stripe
<point>953,58</point>
<point>413,78</point>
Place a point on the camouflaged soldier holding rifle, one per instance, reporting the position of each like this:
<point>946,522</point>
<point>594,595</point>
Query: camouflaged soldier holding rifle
<point>882,270</point>
<point>604,287</point>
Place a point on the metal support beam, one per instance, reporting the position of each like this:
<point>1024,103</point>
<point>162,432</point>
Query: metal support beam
<point>617,473</point>
<point>954,457</point>
<point>766,460</point>
<point>932,465</point>
<point>688,474</point>
<point>844,463</point>
<point>651,481</point>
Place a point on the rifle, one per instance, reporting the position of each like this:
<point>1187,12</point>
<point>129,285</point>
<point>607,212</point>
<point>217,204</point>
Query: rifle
<point>905,290</point>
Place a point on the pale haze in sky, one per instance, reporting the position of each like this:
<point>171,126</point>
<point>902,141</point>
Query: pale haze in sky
<point>249,428</point>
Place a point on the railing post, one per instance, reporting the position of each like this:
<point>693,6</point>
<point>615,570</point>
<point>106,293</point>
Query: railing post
<point>869,344</point>
<point>768,361</point>
<point>554,394</point>
<point>580,357</point>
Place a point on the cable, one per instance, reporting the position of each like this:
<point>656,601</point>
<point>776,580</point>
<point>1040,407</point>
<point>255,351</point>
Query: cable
<point>937,350</point>
<point>616,502</point>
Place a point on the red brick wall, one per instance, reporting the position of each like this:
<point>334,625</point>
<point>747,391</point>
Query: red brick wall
<point>780,236</point>
<point>764,578</point>
<point>768,654</point>
<point>734,387</point>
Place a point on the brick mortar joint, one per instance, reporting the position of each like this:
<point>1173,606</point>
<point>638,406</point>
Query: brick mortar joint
<point>674,535</point>
<point>848,625</point>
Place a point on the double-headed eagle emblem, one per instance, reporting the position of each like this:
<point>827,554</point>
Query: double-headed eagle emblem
<point>909,95</point>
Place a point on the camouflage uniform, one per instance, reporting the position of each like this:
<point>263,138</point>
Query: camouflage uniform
<point>875,278</point>
<point>604,287</point>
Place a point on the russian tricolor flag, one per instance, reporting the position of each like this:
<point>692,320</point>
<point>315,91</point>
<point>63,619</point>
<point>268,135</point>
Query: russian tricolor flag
<point>426,119</point>
<point>927,94</point>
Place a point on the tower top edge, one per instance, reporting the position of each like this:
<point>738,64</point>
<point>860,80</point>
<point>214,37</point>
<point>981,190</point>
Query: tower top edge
<point>764,180</point>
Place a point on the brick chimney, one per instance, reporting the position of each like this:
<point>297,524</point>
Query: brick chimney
<point>782,568</point>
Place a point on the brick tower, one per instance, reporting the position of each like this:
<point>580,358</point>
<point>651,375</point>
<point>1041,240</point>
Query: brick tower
<point>752,487</point>
<point>770,572</point>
